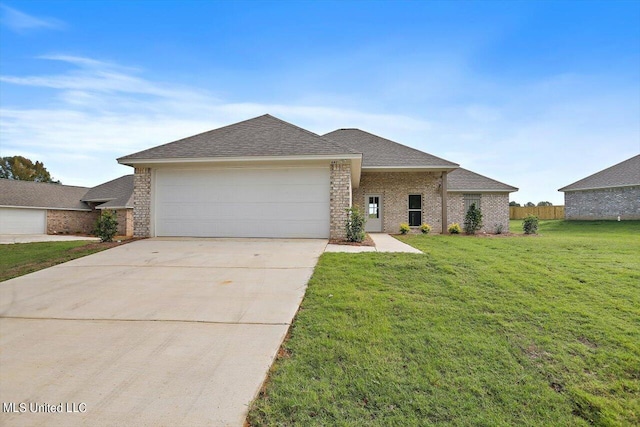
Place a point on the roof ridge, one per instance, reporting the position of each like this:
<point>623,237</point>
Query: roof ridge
<point>352,151</point>
<point>222,129</point>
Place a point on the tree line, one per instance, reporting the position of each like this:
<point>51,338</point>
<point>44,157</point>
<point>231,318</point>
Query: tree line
<point>22,169</point>
<point>530,204</point>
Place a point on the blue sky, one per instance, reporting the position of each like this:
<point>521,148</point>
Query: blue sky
<point>534,94</point>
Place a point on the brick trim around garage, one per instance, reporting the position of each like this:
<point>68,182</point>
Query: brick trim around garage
<point>142,202</point>
<point>340,198</point>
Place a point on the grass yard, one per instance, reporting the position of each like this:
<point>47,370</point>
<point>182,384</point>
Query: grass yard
<point>23,258</point>
<point>482,331</point>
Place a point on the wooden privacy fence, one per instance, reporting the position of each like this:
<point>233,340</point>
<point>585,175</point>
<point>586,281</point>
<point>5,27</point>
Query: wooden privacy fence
<point>542,212</point>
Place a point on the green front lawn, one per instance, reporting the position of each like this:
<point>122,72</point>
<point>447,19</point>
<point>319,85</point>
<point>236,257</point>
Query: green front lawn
<point>540,330</point>
<point>22,258</point>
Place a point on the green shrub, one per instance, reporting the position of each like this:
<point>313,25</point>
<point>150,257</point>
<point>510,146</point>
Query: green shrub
<point>499,228</point>
<point>355,225</point>
<point>106,226</point>
<point>472,220</point>
<point>404,228</point>
<point>454,228</point>
<point>425,228</point>
<point>530,224</point>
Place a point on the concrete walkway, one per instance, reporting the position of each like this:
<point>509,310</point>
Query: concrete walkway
<point>7,239</point>
<point>171,332</point>
<point>383,243</point>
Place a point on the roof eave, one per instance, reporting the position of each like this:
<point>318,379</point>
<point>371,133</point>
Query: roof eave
<point>481,190</point>
<point>114,207</point>
<point>409,168</point>
<point>46,208</point>
<point>565,189</point>
<point>134,162</point>
<point>99,200</point>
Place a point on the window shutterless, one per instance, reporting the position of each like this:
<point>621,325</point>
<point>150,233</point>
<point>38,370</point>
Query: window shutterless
<point>415,210</point>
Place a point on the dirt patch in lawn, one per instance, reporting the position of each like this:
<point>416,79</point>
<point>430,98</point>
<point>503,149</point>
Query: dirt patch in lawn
<point>104,245</point>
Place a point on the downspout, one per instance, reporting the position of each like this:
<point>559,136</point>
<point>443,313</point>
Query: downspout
<point>444,202</point>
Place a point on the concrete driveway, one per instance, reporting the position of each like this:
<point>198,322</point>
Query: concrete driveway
<point>156,332</point>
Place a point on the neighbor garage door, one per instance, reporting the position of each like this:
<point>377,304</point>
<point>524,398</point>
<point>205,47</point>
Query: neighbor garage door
<point>23,221</point>
<point>239,202</point>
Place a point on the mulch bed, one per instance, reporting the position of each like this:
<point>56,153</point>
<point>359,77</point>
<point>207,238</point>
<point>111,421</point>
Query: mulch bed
<point>368,241</point>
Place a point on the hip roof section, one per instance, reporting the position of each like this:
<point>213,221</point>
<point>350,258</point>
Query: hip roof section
<point>31,194</point>
<point>378,152</point>
<point>117,193</point>
<point>460,180</point>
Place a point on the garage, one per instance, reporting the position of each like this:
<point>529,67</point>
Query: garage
<point>23,221</point>
<point>242,202</point>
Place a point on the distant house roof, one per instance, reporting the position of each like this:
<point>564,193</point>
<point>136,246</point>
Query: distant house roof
<point>115,194</point>
<point>263,136</point>
<point>378,152</point>
<point>29,194</point>
<point>463,180</point>
<point>624,174</point>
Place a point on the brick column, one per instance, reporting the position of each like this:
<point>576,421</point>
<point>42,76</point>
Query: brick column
<point>142,202</point>
<point>444,203</point>
<point>340,198</point>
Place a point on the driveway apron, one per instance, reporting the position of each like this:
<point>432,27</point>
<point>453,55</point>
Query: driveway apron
<point>155,332</point>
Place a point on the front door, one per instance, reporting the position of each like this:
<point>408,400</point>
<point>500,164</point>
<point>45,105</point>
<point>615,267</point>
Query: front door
<point>373,212</point>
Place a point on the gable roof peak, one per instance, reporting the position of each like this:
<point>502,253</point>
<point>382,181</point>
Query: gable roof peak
<point>261,136</point>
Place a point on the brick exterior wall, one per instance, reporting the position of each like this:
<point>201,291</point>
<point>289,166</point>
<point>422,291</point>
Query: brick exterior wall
<point>125,222</point>
<point>71,222</point>
<point>494,208</point>
<point>339,198</point>
<point>395,188</point>
<point>142,202</point>
<point>607,203</point>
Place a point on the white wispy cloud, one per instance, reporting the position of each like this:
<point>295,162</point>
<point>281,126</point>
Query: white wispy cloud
<point>21,22</point>
<point>527,135</point>
<point>102,110</point>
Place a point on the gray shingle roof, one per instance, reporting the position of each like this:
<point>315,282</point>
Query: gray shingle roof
<point>117,193</point>
<point>623,174</point>
<point>261,136</point>
<point>381,152</point>
<point>465,180</point>
<point>41,195</point>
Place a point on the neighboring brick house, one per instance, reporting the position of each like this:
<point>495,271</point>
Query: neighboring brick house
<point>28,207</point>
<point>265,177</point>
<point>609,194</point>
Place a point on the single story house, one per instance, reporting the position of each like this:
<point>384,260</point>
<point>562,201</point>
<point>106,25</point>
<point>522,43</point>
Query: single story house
<point>611,193</point>
<point>28,207</point>
<point>265,177</point>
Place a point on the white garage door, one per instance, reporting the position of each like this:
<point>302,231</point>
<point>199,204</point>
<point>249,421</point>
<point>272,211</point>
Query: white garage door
<point>23,221</point>
<point>240,202</point>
